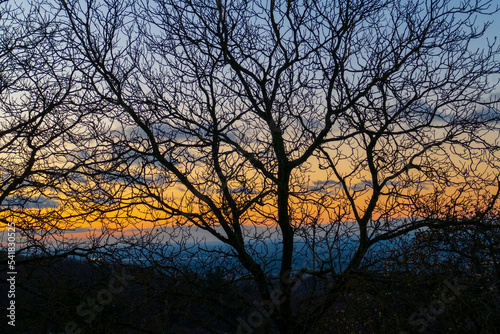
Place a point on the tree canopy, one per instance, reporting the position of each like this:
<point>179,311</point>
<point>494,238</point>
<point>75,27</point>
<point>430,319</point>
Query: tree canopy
<point>325,128</point>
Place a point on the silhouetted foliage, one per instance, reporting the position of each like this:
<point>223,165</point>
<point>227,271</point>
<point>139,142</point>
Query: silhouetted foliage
<point>303,155</point>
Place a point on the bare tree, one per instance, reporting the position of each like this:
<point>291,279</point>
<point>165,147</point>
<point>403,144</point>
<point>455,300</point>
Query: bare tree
<point>325,127</point>
<point>43,127</point>
<point>34,88</point>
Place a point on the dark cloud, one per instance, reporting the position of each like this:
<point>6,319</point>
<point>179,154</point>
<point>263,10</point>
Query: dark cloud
<point>38,202</point>
<point>325,183</point>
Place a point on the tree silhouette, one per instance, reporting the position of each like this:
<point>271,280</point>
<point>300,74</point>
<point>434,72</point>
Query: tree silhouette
<point>286,130</point>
